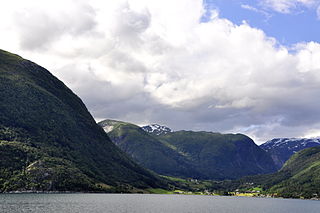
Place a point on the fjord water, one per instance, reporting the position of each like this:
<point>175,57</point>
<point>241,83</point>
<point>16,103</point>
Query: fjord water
<point>138,203</point>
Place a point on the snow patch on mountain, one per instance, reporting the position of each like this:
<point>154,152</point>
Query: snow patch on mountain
<point>295,144</point>
<point>281,149</point>
<point>156,129</point>
<point>108,129</point>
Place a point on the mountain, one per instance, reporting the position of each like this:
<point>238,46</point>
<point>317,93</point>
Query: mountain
<point>201,155</point>
<point>220,156</point>
<point>156,129</point>
<point>148,151</point>
<point>300,176</point>
<point>281,149</point>
<point>49,141</point>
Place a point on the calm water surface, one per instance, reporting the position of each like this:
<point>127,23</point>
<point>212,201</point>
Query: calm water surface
<point>118,203</point>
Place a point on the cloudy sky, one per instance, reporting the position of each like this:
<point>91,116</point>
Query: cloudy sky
<point>248,66</point>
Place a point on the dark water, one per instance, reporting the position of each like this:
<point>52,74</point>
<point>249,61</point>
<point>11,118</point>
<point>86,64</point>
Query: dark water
<point>118,203</point>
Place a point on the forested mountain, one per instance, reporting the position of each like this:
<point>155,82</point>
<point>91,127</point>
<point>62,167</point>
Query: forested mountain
<point>203,155</point>
<point>49,140</point>
<point>148,151</point>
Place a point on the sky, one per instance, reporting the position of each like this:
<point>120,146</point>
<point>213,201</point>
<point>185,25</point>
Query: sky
<point>244,66</point>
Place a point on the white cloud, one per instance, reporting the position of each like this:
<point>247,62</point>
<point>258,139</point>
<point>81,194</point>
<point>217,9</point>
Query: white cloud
<point>254,9</point>
<point>318,12</point>
<point>287,6</point>
<point>154,61</point>
<point>249,7</point>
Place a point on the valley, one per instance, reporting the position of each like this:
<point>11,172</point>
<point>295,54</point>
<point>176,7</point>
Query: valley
<point>49,142</point>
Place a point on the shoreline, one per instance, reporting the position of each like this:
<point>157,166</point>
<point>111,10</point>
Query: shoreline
<point>182,194</point>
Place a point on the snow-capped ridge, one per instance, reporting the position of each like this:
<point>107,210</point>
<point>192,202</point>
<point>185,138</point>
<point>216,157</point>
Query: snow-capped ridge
<point>156,129</point>
<point>281,149</point>
<point>290,142</point>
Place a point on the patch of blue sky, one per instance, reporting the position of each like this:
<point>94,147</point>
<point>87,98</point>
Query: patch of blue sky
<point>301,25</point>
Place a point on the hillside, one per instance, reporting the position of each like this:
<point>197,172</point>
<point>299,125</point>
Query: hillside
<point>147,150</point>
<point>281,149</point>
<point>201,155</point>
<point>49,140</point>
<point>300,176</point>
<point>220,156</point>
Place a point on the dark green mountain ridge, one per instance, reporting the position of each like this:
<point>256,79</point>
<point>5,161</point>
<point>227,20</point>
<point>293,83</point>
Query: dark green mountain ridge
<point>298,178</point>
<point>221,156</point>
<point>202,155</point>
<point>49,140</point>
<point>147,150</point>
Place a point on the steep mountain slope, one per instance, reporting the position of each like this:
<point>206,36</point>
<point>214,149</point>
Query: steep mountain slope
<point>49,140</point>
<point>298,178</point>
<point>202,155</point>
<point>281,149</point>
<point>147,150</point>
<point>220,156</point>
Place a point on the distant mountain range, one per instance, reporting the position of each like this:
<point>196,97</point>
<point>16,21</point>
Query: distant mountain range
<point>203,155</point>
<point>50,142</point>
<point>281,149</point>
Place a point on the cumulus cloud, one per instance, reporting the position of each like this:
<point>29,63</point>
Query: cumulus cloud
<point>40,23</point>
<point>155,61</point>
